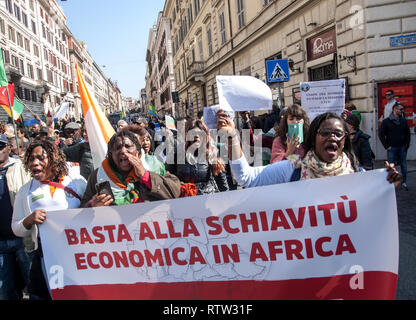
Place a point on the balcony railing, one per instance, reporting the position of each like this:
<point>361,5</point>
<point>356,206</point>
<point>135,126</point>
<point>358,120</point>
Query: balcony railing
<point>196,71</point>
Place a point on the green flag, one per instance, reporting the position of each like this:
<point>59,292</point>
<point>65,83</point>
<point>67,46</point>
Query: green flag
<point>3,77</point>
<point>17,109</point>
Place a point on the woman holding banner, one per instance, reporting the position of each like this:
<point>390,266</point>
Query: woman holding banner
<point>328,153</point>
<point>124,178</point>
<point>51,189</point>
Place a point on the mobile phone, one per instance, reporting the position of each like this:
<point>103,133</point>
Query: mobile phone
<point>104,188</point>
<point>295,130</point>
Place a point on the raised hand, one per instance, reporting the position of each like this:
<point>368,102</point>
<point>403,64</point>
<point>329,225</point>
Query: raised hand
<point>393,176</point>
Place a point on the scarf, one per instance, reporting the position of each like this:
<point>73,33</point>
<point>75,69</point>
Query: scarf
<point>396,120</point>
<point>128,193</point>
<point>312,167</point>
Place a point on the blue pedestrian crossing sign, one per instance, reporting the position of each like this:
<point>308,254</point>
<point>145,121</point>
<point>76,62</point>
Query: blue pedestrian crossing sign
<point>277,70</point>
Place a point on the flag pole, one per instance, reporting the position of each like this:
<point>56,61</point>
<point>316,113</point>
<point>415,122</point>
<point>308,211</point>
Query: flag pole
<point>14,123</point>
<point>30,110</point>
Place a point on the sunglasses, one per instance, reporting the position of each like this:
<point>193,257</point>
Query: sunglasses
<point>326,134</point>
<point>388,94</point>
<point>2,146</point>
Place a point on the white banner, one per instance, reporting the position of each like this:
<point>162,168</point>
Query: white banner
<point>323,96</point>
<point>329,238</point>
<point>243,93</point>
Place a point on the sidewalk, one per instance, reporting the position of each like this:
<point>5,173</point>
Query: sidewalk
<point>411,165</point>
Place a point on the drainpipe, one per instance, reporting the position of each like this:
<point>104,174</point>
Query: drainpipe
<point>231,33</point>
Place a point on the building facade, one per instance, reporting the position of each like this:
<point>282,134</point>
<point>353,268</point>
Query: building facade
<point>21,49</point>
<point>53,36</point>
<point>40,54</point>
<point>76,58</point>
<point>359,40</point>
<point>151,88</point>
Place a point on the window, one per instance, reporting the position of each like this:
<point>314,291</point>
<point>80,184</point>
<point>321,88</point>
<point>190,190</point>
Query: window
<point>33,96</point>
<point>27,94</point>
<point>196,7</point>
<point>2,26</point>
<point>6,56</point>
<point>19,91</point>
<point>22,67</point>
<point>9,6</point>
<point>19,39</point>
<point>24,20</point>
<point>30,72</point>
<point>183,71</point>
<point>266,2</point>
<point>240,14</point>
<point>36,50</point>
<point>12,35</point>
<point>201,49</point>
<point>27,45</point>
<point>190,17</point>
<point>17,12</point>
<point>49,76</point>
<point>15,61</point>
<point>31,5</point>
<point>222,28</point>
<point>39,73</point>
<point>209,38</point>
<point>34,27</point>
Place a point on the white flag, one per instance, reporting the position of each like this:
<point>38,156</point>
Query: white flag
<point>61,113</point>
<point>243,93</point>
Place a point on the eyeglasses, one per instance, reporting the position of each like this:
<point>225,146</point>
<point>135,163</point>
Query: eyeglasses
<point>2,146</point>
<point>388,94</point>
<point>326,133</point>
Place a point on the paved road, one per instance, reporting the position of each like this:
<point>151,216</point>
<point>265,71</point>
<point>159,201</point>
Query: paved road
<point>406,205</point>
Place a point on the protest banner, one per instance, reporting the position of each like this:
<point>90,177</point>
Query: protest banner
<point>243,93</point>
<point>328,238</point>
<point>323,96</point>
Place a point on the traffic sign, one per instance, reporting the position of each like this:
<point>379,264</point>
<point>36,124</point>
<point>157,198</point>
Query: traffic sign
<point>277,70</point>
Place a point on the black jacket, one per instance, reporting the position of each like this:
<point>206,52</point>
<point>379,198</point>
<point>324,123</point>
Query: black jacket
<point>270,121</point>
<point>394,134</point>
<point>362,150</point>
<point>81,153</point>
<point>201,175</point>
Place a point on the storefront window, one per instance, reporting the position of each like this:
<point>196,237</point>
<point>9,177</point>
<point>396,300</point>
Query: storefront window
<point>327,72</point>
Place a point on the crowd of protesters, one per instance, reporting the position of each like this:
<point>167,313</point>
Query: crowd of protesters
<point>51,168</point>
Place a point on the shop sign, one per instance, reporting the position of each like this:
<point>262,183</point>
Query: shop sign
<point>322,45</point>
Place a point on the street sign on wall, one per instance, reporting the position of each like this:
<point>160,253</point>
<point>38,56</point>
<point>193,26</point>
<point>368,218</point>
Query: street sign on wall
<point>406,40</point>
<point>277,70</point>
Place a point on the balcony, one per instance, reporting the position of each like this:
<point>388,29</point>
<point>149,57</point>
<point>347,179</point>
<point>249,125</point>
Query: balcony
<point>196,72</point>
<point>14,74</point>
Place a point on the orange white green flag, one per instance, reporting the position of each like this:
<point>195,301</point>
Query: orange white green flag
<point>98,127</point>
